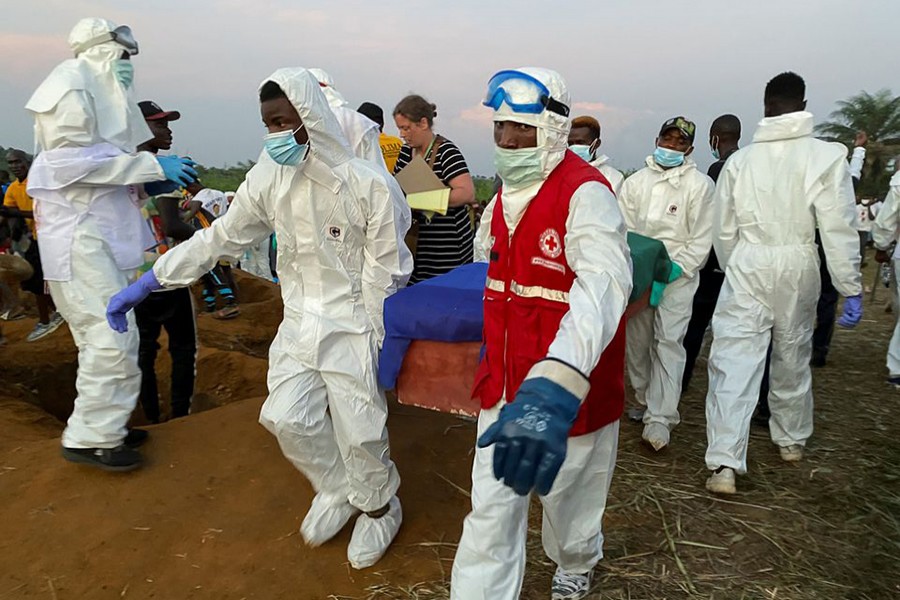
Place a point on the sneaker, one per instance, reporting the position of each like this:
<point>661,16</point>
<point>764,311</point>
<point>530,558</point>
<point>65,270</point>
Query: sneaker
<point>13,314</point>
<point>121,458</point>
<point>135,438</point>
<point>894,380</point>
<point>40,330</point>
<point>792,453</point>
<point>656,435</point>
<point>636,414</point>
<point>721,481</point>
<point>326,517</point>
<point>570,586</point>
<point>371,536</point>
<point>229,312</point>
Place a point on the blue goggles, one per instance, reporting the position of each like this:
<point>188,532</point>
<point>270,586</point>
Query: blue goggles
<point>522,93</point>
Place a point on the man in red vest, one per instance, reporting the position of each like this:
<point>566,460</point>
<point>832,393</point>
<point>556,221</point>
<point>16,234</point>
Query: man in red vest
<point>551,380</point>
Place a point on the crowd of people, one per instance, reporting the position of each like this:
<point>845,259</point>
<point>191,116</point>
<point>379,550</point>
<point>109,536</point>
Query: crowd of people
<point>760,248</point>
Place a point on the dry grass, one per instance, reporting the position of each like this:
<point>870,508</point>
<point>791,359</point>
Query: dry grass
<point>825,528</point>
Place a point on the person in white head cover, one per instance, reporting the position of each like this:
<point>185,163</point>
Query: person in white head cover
<point>87,128</point>
<point>338,259</point>
<point>771,195</point>
<point>551,382</point>
<point>364,136</point>
<point>671,201</point>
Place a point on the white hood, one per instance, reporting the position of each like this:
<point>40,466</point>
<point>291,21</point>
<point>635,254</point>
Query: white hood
<point>784,127</point>
<point>326,141</point>
<point>118,119</point>
<point>326,82</point>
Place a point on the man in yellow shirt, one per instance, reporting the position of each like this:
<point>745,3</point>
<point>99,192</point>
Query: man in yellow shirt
<point>390,145</point>
<point>22,206</point>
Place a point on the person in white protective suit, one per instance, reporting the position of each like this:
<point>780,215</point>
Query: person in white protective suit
<point>364,136</point>
<point>885,233</point>
<point>87,129</point>
<point>770,197</point>
<point>551,383</point>
<point>669,200</point>
<point>338,259</point>
<point>584,140</point>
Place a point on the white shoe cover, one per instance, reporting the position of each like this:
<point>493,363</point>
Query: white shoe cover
<point>657,435</point>
<point>722,482</point>
<point>371,537</point>
<point>326,517</point>
<point>792,453</point>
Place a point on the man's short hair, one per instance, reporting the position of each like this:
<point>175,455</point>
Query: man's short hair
<point>787,86</point>
<point>270,91</point>
<point>372,111</point>
<point>589,122</point>
<point>726,126</point>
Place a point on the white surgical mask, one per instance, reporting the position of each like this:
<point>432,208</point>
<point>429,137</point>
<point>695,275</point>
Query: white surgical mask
<point>518,167</point>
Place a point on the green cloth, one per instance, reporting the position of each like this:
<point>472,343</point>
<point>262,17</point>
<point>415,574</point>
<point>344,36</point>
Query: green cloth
<point>652,267</point>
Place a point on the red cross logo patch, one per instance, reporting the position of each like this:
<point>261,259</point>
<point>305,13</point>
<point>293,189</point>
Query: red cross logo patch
<point>550,243</point>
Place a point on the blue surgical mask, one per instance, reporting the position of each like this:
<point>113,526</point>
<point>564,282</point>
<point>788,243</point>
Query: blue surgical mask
<point>518,167</point>
<point>667,158</point>
<point>284,149</point>
<point>124,72</point>
<point>583,151</point>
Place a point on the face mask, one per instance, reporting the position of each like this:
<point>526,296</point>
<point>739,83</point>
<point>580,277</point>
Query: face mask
<point>124,72</point>
<point>583,151</point>
<point>518,167</point>
<point>714,147</point>
<point>284,149</point>
<point>667,158</point>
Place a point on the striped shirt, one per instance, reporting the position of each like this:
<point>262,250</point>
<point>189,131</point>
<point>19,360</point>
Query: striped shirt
<point>445,242</point>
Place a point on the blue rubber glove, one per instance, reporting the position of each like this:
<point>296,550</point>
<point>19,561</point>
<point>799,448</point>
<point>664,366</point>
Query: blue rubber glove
<point>532,433</point>
<point>853,311</point>
<point>177,169</point>
<point>121,303</point>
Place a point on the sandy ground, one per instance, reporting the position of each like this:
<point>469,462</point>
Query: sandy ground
<point>214,514</point>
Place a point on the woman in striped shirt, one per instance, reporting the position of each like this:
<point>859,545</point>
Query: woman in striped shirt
<point>445,241</point>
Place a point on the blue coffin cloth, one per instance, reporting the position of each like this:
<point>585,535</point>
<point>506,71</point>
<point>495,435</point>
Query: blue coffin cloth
<point>448,308</point>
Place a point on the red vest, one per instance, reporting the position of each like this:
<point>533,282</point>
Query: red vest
<point>527,294</point>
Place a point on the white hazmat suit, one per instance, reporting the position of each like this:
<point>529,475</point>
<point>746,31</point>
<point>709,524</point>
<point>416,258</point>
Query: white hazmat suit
<point>338,259</point>
<point>770,197</point>
<point>612,174</point>
<point>87,128</point>
<point>490,560</point>
<point>673,206</point>
<point>885,231</point>
<point>363,134</point>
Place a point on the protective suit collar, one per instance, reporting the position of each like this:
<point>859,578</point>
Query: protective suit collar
<point>784,127</point>
<point>674,174</point>
<point>326,82</point>
<point>118,118</point>
<point>326,142</point>
<point>600,160</point>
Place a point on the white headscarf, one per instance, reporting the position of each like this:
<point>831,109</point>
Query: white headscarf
<point>335,98</point>
<point>326,141</point>
<point>552,140</point>
<point>118,119</point>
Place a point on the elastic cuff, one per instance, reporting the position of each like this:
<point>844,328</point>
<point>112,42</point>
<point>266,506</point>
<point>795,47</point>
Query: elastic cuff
<point>562,374</point>
<point>859,150</point>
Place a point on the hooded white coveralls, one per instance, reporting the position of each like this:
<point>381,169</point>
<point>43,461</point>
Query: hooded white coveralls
<point>885,231</point>
<point>612,174</point>
<point>490,559</point>
<point>338,260</point>
<point>673,206</point>
<point>363,134</point>
<point>770,197</point>
<point>87,128</point>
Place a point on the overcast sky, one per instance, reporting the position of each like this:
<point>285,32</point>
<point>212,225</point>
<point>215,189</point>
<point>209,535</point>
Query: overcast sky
<point>630,63</point>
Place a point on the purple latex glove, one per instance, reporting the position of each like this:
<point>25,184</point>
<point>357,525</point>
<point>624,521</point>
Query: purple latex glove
<point>128,298</point>
<point>852,312</point>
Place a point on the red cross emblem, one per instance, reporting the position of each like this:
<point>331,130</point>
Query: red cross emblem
<point>550,243</point>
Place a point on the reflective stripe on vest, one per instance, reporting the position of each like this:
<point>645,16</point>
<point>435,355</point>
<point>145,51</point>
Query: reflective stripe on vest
<point>537,291</point>
<point>495,285</point>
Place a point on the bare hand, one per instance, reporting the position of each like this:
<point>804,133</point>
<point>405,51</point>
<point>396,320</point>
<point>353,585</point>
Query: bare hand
<point>861,139</point>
